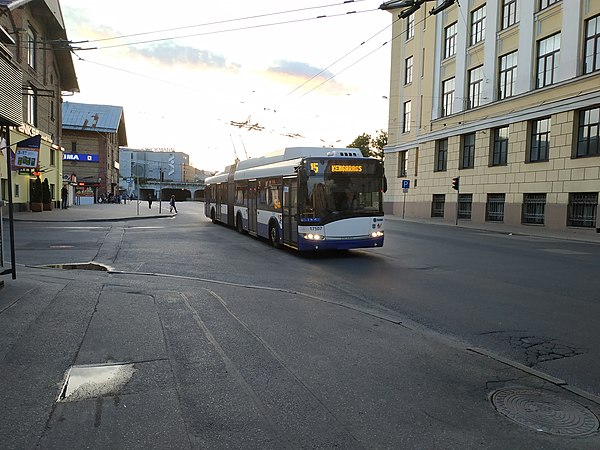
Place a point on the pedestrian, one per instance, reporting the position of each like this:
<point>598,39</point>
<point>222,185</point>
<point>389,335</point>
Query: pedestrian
<point>64,196</point>
<point>150,201</point>
<point>172,204</point>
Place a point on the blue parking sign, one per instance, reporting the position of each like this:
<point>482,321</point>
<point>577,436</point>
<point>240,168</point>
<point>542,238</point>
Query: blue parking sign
<point>405,184</point>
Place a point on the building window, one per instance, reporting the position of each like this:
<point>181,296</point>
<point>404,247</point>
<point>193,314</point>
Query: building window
<point>500,147</point>
<point>437,205</point>
<point>588,143</point>
<point>540,140</point>
<point>475,77</point>
<point>74,147</point>
<point>592,45</point>
<point>510,13</point>
<point>494,208</point>
<point>508,75</point>
<point>31,102</point>
<point>582,210</point>
<point>406,116</point>
<point>450,40</point>
<point>533,209</point>
<point>402,164</point>
<point>478,25</point>
<point>17,191</point>
<point>441,155</point>
<point>448,87</point>
<point>52,157</point>
<point>468,151</point>
<point>546,3</point>
<point>410,27</point>
<point>31,53</point>
<point>547,62</point>
<point>465,205</point>
<point>408,70</point>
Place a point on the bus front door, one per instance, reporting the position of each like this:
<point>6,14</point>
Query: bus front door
<point>290,211</point>
<point>252,207</point>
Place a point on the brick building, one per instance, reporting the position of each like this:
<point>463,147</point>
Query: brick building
<point>92,135</point>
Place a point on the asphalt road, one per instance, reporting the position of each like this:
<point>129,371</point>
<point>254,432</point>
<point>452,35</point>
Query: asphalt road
<point>287,343</point>
<point>531,299</point>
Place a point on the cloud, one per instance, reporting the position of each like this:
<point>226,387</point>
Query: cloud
<point>295,72</point>
<point>169,53</point>
<point>298,69</point>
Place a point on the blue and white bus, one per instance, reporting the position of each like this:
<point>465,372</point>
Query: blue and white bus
<point>306,198</point>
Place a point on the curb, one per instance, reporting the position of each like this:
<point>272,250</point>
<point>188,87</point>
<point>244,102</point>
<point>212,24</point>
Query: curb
<point>103,219</point>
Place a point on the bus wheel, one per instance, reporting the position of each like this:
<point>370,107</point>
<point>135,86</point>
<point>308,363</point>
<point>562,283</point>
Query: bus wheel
<point>239,225</point>
<point>212,216</point>
<point>274,236</point>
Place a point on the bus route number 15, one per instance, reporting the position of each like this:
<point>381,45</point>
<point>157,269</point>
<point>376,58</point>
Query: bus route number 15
<point>314,167</point>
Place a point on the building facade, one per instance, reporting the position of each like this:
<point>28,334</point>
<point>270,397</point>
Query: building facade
<point>504,96</point>
<point>35,61</point>
<point>92,135</point>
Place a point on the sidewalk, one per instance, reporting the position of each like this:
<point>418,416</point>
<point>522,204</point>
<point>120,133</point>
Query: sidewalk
<point>574,234</point>
<point>96,213</point>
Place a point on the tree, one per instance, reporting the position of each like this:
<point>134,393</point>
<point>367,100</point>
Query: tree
<point>362,142</point>
<point>371,146</point>
<point>46,195</point>
<point>36,191</point>
<point>378,142</point>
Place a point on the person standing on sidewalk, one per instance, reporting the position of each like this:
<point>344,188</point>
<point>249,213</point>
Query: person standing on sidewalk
<point>150,200</point>
<point>172,204</point>
<point>64,196</point>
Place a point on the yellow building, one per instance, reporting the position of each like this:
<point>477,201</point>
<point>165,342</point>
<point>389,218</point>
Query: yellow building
<point>503,95</point>
<point>36,68</point>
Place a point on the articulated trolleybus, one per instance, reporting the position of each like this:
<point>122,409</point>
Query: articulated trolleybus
<point>307,198</point>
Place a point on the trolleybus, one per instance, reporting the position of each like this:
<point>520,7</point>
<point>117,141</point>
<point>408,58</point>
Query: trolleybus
<point>306,198</point>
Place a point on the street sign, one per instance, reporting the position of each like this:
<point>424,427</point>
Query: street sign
<point>405,184</point>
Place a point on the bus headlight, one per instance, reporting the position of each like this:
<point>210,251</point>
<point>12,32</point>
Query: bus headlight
<point>313,237</point>
<point>376,234</point>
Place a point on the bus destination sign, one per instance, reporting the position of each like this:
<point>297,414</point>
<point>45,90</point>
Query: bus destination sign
<point>352,168</point>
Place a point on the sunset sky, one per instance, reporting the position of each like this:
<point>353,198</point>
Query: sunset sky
<point>244,62</point>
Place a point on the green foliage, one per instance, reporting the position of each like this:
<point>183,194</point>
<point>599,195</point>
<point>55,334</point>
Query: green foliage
<point>46,195</point>
<point>362,142</point>
<point>36,191</point>
<point>371,146</point>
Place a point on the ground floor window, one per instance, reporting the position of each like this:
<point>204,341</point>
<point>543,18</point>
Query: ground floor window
<point>465,204</point>
<point>533,208</point>
<point>437,205</point>
<point>582,209</point>
<point>494,209</point>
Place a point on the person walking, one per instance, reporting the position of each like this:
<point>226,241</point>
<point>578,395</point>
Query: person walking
<point>172,204</point>
<point>150,200</point>
<point>64,196</point>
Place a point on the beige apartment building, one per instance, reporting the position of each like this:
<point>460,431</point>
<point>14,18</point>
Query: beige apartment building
<point>505,96</point>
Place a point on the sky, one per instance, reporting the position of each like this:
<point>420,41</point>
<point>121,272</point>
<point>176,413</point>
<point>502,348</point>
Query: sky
<point>231,79</point>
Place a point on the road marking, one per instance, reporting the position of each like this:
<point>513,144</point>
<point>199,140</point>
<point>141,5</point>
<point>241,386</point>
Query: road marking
<point>562,251</point>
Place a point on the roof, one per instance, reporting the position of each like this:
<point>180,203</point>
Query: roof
<point>100,118</point>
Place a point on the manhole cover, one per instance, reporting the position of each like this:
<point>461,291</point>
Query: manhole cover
<point>85,382</point>
<point>545,411</point>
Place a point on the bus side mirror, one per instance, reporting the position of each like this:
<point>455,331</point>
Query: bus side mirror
<point>384,184</point>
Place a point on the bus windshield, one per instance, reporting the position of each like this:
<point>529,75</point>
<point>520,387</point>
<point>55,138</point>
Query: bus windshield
<point>341,188</point>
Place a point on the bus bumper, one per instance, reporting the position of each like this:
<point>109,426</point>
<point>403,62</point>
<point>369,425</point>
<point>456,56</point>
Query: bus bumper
<point>339,244</point>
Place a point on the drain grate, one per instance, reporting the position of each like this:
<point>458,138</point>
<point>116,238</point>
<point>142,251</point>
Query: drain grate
<point>545,411</point>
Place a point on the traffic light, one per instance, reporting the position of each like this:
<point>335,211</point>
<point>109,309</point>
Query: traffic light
<point>455,183</point>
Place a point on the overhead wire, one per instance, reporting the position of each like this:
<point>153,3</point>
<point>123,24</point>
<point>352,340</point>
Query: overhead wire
<point>207,33</point>
<point>219,22</point>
